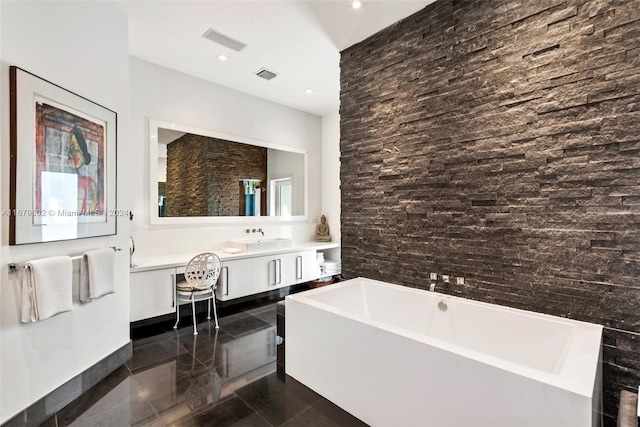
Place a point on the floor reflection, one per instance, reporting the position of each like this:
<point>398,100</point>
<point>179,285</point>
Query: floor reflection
<point>220,377</point>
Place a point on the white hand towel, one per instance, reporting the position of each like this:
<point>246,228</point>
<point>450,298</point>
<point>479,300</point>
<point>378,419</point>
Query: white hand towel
<point>46,288</point>
<point>97,277</point>
<point>232,250</point>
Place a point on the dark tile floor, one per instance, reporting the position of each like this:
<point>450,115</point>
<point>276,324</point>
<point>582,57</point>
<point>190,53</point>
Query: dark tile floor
<point>224,377</point>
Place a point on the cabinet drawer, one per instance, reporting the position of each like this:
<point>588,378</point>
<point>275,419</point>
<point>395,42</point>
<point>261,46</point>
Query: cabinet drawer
<point>307,267</point>
<point>235,279</point>
<point>266,272</point>
<point>152,293</point>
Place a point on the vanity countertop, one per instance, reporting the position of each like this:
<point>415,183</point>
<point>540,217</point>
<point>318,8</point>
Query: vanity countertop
<point>180,260</point>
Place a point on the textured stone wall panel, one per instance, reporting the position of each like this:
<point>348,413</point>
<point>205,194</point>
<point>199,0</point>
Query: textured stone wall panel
<point>499,140</point>
<point>203,175</point>
<point>230,162</point>
<point>186,176</point>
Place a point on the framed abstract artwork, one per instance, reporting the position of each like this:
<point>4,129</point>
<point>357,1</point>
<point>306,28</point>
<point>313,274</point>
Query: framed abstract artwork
<point>63,163</point>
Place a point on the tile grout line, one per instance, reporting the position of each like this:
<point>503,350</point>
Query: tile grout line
<point>286,420</point>
<point>183,349</point>
<point>145,398</point>
<point>253,409</point>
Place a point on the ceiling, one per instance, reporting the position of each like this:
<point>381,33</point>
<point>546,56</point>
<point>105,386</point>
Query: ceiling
<point>298,40</point>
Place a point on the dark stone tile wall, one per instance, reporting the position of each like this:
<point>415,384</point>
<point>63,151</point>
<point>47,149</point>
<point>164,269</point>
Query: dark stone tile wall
<point>229,163</point>
<point>187,171</point>
<point>499,141</point>
<point>203,175</point>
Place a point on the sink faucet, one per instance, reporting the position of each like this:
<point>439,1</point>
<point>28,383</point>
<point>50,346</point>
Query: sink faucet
<point>254,230</point>
<point>432,286</point>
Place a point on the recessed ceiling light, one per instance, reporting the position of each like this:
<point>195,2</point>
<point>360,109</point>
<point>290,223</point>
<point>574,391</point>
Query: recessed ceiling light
<point>222,57</point>
<point>357,4</point>
<point>309,91</point>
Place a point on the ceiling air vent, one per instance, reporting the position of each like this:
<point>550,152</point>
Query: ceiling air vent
<point>223,40</point>
<point>266,74</point>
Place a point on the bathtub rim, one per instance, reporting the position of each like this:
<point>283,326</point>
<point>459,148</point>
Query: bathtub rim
<point>571,377</point>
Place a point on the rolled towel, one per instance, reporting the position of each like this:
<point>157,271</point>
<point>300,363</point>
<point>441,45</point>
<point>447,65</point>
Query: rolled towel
<point>97,277</point>
<point>46,288</point>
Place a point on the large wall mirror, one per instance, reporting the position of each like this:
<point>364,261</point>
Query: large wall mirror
<point>204,176</point>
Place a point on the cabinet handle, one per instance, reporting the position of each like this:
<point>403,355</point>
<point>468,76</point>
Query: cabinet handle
<point>278,271</point>
<point>299,267</point>
<point>226,280</point>
<point>175,289</point>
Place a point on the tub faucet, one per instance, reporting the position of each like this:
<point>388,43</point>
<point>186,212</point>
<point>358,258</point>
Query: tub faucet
<point>432,286</point>
<point>132,249</point>
<point>260,231</point>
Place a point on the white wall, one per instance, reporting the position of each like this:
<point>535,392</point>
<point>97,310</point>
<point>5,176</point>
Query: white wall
<point>82,47</point>
<point>166,95</point>
<point>283,164</point>
<point>3,249</point>
<point>331,173</point>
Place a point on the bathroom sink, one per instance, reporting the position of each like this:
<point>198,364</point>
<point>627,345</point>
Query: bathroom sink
<point>259,244</point>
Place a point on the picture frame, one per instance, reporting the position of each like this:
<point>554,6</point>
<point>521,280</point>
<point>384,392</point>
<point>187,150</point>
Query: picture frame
<point>63,163</point>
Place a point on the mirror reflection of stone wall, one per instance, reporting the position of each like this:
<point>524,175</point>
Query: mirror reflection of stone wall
<point>203,175</point>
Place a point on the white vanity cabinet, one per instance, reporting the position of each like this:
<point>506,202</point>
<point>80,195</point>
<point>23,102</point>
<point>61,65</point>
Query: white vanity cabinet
<point>235,279</point>
<point>284,269</point>
<point>301,267</point>
<point>266,272</point>
<point>152,293</point>
<point>307,266</point>
<point>153,279</point>
<point>258,274</point>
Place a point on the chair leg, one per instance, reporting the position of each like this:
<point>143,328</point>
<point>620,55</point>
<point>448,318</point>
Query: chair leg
<point>209,309</point>
<point>193,310</point>
<point>177,314</point>
<point>215,313</point>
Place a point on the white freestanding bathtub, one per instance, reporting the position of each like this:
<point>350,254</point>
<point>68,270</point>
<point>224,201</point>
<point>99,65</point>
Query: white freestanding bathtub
<point>390,356</point>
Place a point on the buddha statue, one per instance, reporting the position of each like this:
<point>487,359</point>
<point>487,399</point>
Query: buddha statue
<point>322,231</point>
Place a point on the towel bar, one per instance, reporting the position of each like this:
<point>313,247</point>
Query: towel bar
<point>13,267</point>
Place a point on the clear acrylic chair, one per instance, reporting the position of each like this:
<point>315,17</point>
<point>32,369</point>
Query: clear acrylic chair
<point>201,276</point>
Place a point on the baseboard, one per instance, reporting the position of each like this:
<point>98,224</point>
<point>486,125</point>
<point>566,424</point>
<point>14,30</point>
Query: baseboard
<point>46,407</point>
